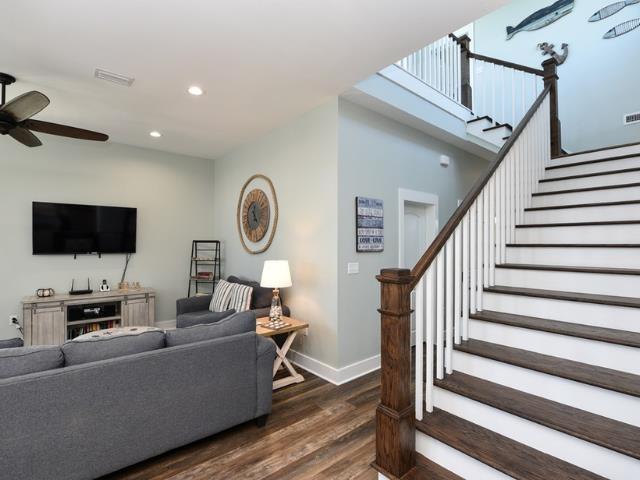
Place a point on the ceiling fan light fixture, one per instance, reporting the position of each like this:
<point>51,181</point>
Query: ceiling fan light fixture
<point>155,134</point>
<point>195,90</point>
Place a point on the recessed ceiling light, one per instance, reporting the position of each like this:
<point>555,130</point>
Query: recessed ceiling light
<point>155,134</point>
<point>195,90</point>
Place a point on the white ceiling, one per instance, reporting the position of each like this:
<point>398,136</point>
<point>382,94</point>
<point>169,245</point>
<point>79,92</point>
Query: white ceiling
<point>261,62</point>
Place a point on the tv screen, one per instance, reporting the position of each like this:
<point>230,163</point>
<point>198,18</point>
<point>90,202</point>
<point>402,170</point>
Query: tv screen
<point>60,228</point>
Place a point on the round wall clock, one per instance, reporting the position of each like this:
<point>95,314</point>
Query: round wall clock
<point>255,219</point>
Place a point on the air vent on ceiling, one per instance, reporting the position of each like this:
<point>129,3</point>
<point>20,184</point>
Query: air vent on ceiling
<point>632,118</point>
<point>114,77</point>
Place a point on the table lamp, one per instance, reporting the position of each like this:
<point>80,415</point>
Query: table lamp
<point>276,275</point>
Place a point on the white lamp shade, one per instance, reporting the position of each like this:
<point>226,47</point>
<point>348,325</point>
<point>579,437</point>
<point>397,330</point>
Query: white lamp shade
<point>275,274</point>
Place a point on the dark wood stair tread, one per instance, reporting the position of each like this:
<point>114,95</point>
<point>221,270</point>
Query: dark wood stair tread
<point>612,434</point>
<point>606,378</point>
<point>587,189</point>
<point>589,332</point>
<point>589,162</point>
<point>499,452</point>
<point>428,470</point>
<point>587,175</point>
<point>485,117</point>
<point>574,245</point>
<point>579,224</point>
<point>574,269</point>
<point>583,205</point>
<point>631,302</point>
<point>497,126</point>
<point>599,149</point>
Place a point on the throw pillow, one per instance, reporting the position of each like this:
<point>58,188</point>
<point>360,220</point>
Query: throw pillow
<point>100,346</point>
<point>233,325</point>
<point>23,360</point>
<point>11,343</point>
<point>260,297</point>
<point>201,318</point>
<point>220,298</point>
<point>240,297</point>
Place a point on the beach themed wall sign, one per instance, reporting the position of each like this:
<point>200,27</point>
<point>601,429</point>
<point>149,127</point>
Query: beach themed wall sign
<point>369,225</point>
<point>542,18</point>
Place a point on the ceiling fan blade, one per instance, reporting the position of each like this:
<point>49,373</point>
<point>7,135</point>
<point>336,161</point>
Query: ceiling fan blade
<point>64,130</point>
<point>25,106</point>
<point>25,137</point>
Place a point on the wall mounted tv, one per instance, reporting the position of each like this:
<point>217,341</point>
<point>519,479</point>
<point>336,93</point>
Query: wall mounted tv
<point>60,228</point>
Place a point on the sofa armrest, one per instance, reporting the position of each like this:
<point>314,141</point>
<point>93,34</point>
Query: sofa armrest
<point>266,354</point>
<point>193,304</point>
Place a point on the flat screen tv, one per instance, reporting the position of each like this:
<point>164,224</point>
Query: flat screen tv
<point>60,228</point>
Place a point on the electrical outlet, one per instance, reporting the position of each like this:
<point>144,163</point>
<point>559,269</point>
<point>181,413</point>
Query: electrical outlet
<point>13,320</point>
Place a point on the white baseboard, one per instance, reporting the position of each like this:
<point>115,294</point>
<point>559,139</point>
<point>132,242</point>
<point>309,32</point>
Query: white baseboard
<point>337,376</point>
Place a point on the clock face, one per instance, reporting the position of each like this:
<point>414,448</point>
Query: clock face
<point>255,215</point>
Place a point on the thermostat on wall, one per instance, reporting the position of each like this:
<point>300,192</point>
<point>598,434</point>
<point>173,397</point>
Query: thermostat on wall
<point>444,160</point>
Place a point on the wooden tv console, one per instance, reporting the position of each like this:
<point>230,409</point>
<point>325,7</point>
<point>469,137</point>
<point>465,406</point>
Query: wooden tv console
<point>46,321</point>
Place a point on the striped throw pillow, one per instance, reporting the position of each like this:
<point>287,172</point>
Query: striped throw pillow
<point>221,296</point>
<point>240,298</point>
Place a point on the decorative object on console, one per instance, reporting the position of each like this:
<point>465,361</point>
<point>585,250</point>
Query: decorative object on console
<point>104,286</point>
<point>276,275</point>
<point>124,285</point>
<point>623,28</point>
<point>369,225</point>
<point>548,49</point>
<point>73,290</point>
<point>254,214</point>
<point>611,9</point>
<point>542,18</point>
<point>45,292</point>
<point>15,118</point>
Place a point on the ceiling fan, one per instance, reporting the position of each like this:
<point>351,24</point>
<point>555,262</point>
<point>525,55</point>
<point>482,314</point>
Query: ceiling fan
<point>15,118</point>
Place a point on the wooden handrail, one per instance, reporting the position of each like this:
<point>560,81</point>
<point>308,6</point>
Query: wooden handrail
<point>504,63</point>
<point>429,256</point>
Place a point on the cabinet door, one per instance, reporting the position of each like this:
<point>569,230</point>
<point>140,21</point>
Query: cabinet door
<point>48,326</point>
<point>135,312</point>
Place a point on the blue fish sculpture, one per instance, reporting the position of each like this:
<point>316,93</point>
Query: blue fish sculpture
<point>542,18</point>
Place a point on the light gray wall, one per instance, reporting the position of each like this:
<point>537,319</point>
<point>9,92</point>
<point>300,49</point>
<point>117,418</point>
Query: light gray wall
<point>377,156</point>
<point>171,192</point>
<point>301,160</point>
<point>598,83</point>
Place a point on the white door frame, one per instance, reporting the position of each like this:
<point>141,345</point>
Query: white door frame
<point>414,196</point>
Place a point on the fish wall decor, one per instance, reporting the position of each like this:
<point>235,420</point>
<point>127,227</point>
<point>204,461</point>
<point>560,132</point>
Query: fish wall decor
<point>542,18</point>
<point>611,9</point>
<point>623,28</point>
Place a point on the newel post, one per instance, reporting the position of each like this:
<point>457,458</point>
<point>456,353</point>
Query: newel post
<point>395,429</point>
<point>550,67</point>
<point>465,72</point>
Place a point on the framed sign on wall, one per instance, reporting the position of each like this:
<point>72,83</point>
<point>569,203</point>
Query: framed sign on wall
<point>369,225</point>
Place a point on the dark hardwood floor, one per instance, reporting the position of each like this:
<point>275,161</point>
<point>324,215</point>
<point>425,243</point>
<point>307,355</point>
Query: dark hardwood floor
<point>316,430</point>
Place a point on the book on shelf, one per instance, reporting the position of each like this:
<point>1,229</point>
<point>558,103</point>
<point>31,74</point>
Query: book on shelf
<point>76,331</point>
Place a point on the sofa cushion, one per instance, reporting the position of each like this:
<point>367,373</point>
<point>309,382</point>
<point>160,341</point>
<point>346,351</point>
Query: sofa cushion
<point>240,297</point>
<point>260,297</point>
<point>235,324</point>
<point>201,318</point>
<point>11,343</point>
<point>221,295</point>
<point>23,360</point>
<point>101,346</point>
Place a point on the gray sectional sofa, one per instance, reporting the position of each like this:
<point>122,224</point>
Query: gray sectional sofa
<point>85,420</point>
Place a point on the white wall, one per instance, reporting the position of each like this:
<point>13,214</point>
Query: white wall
<point>377,156</point>
<point>171,192</point>
<point>598,83</point>
<point>301,160</point>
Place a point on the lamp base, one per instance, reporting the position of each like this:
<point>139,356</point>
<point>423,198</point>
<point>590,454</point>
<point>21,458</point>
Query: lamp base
<point>276,307</point>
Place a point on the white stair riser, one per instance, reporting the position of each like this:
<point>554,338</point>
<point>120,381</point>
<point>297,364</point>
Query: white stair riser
<point>591,196</point>
<point>632,162</point>
<point>598,181</point>
<point>594,458</point>
<point>476,128</point>
<point>608,316</point>
<point>612,152</point>
<point>586,214</point>
<point>584,257</point>
<point>602,354</point>
<point>580,234</point>
<point>496,136</point>
<point>598,283</point>
<point>454,460</point>
<point>600,401</point>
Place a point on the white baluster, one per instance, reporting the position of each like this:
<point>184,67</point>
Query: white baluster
<point>440,315</point>
<point>503,95</point>
<point>429,331</point>
<point>523,95</point>
<point>485,235</point>
<point>431,65</point>
<point>458,78</point>
<point>491,225</point>
<point>503,214</point>
<point>493,93</point>
<point>513,99</point>
<point>448,353</point>
<point>419,314</point>
<point>473,263</point>
<point>480,247</point>
<point>458,283</point>
<point>466,273</point>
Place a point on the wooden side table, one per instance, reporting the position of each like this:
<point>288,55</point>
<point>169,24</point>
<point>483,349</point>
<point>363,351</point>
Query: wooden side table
<point>281,352</point>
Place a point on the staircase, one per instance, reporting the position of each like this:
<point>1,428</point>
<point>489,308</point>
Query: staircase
<point>527,355</point>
